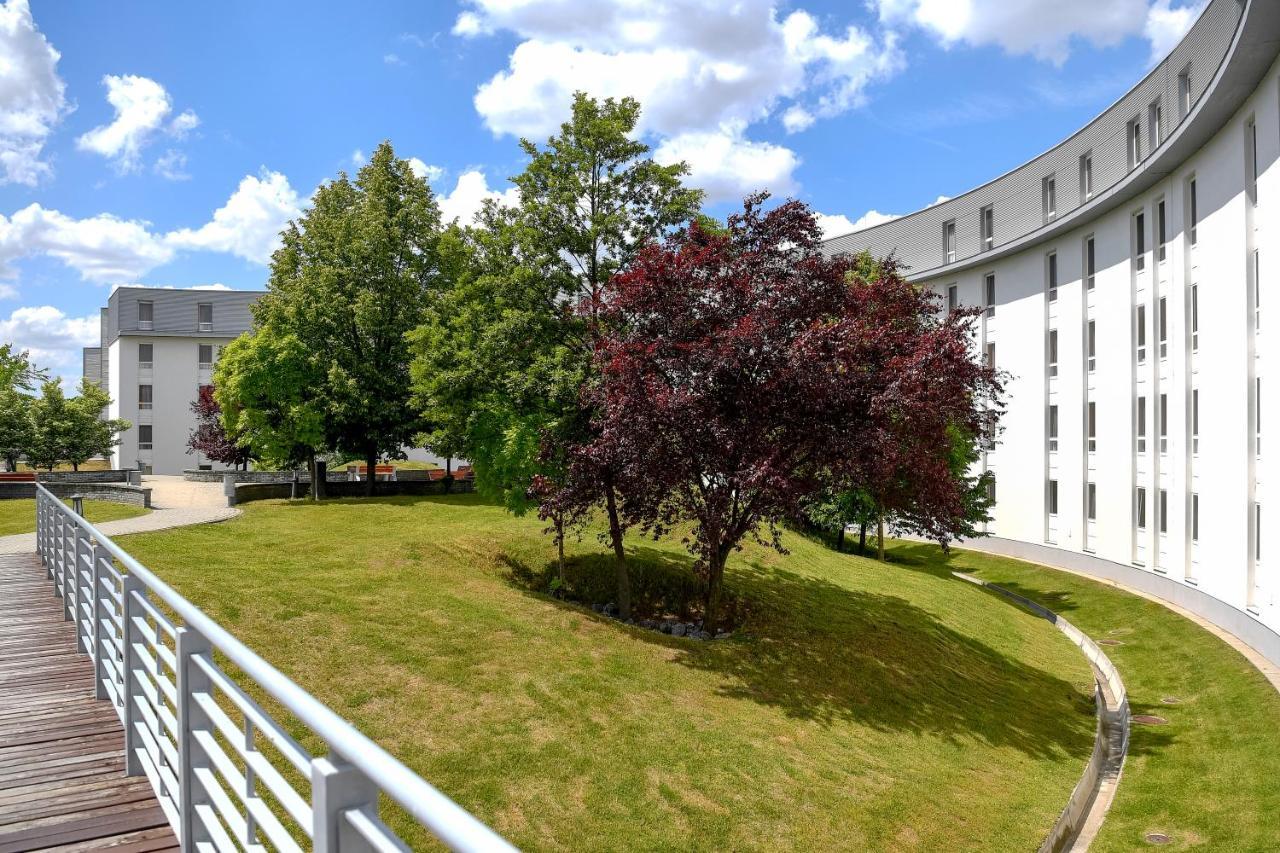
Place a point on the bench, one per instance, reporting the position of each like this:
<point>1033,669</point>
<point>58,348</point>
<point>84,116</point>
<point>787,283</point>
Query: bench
<point>17,476</point>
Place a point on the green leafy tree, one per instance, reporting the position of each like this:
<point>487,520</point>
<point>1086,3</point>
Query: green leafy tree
<point>17,371</point>
<point>502,359</point>
<point>351,278</point>
<point>834,511</point>
<point>51,426</point>
<point>90,432</point>
<point>15,425</point>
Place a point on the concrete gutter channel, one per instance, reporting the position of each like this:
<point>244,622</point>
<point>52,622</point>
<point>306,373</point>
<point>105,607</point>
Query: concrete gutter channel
<point>1078,823</point>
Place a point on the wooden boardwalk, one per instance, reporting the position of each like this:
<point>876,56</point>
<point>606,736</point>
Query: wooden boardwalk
<point>62,782</point>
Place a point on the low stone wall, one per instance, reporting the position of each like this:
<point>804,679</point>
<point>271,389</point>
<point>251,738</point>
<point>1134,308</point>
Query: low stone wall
<point>261,476</point>
<point>120,493</point>
<point>246,492</point>
<point>48,477</point>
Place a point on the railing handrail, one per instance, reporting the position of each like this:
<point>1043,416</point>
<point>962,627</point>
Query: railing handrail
<point>446,820</point>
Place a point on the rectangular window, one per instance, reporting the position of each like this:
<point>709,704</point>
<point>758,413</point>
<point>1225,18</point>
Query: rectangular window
<point>1135,143</point>
<point>204,316</point>
<point>1155,126</point>
<point>144,356</point>
<point>989,285</point>
<point>1257,415</point>
<point>144,397</point>
<point>205,356</point>
<point>1140,508</point>
<point>949,242</point>
<point>1257,533</point>
<point>1139,241</point>
<point>1142,333</point>
<point>1053,497</point>
<point>991,354</point>
<point>1049,198</point>
<point>1051,276</point>
<point>1162,511</point>
<point>146,315</point>
<point>1086,175</point>
<point>1093,426</point>
<point>1090,263</point>
<point>1195,317</point>
<point>1164,423</point>
<point>1053,352</point>
<point>1257,290</point>
<point>1194,216</point>
<point>1195,517</point>
<point>1091,501</point>
<point>1184,92</point>
<point>1195,420</point>
<point>144,436</point>
<point>1053,429</point>
<point>1251,159</point>
<point>1161,237</point>
<point>987,222</point>
<point>1142,424</point>
<point>953,297</point>
<point>1093,346</point>
<point>1162,321</point>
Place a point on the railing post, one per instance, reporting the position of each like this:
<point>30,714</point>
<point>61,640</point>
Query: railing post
<point>131,695</point>
<point>39,526</point>
<point>191,719</point>
<point>336,787</point>
<point>101,642</point>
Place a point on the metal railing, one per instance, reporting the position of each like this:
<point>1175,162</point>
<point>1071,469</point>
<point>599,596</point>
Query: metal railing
<point>220,766</point>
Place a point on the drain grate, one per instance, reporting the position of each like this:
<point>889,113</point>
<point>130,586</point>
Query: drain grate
<point>1157,838</point>
<point>1149,720</point>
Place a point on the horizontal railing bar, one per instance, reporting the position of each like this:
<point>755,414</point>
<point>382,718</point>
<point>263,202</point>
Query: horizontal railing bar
<point>279,738</point>
<point>374,831</point>
<point>158,742</point>
<point>275,830</point>
<point>226,809</point>
<point>164,788</point>
<point>222,842</point>
<point>161,619</point>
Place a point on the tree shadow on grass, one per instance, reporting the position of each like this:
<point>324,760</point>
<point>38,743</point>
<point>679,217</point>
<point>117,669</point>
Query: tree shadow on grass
<point>825,653</point>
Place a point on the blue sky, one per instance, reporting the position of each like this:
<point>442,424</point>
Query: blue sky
<point>166,143</point>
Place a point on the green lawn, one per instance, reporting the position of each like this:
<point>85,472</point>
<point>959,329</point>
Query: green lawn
<point>1210,778</point>
<point>19,516</point>
<point>861,707</point>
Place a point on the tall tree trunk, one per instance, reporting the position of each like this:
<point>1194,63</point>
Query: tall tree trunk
<point>311,470</point>
<point>371,459</point>
<point>75,466</point>
<point>559,521</point>
<point>448,480</point>
<point>715,591</point>
<point>862,537</point>
<point>880,535</point>
<point>840,540</point>
<point>619,552</point>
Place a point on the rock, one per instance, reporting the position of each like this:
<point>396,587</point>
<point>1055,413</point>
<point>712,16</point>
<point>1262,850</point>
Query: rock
<point>678,629</point>
<point>722,635</point>
<point>665,627</point>
<point>597,608</point>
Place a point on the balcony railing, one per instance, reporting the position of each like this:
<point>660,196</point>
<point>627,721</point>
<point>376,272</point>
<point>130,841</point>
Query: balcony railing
<point>227,775</point>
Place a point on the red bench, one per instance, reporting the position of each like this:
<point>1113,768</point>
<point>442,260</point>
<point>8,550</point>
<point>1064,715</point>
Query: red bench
<point>17,476</point>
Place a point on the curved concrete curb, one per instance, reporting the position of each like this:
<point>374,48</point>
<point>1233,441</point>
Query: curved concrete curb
<point>1079,821</point>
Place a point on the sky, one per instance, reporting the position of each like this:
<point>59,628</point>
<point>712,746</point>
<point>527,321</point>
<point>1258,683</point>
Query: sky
<point>166,144</point>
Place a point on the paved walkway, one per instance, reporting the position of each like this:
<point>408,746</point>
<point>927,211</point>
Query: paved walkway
<point>175,502</point>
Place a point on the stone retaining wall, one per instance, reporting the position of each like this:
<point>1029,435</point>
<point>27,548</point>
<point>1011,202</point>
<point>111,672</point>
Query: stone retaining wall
<point>120,493</point>
<point>246,492</point>
<point>48,477</point>
<point>261,476</point>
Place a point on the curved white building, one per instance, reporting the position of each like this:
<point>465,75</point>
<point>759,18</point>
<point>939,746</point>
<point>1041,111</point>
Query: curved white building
<point>1127,276</point>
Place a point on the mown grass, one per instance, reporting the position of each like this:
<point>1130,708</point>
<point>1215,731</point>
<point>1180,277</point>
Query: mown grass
<point>861,706</point>
<point>1210,778</point>
<point>19,515</point>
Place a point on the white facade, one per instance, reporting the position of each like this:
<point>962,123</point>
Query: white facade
<point>1184,496</point>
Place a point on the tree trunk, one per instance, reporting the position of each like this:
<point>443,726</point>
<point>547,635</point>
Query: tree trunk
<point>619,553</point>
<point>880,536</point>
<point>75,466</point>
<point>715,588</point>
<point>840,540</point>
<point>862,537</point>
<point>560,547</point>
<point>448,478</point>
<point>371,485</point>
<point>311,469</point>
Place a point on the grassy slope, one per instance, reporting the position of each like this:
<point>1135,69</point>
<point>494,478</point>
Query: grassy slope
<point>1211,776</point>
<point>19,516</point>
<point>865,707</point>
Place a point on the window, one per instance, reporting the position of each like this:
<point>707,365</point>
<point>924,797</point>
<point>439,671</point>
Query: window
<point>206,356</point>
<point>1139,241</point>
<point>991,489</point>
<point>1164,423</point>
<point>1257,290</point>
<point>1053,352</point>
<point>204,316</point>
<point>1049,198</point>
<point>1091,501</point>
<point>146,315</point>
<point>1093,346</point>
<point>145,356</point>
<point>1093,426</point>
<point>991,354</point>
<point>1195,317</point>
<point>1140,508</point>
<point>1160,231</point>
<point>1142,424</point>
<point>1257,533</point>
<point>1257,415</point>
<point>1053,429</point>
<point>949,242</point>
<point>1135,143</point>
<point>1162,511</point>
<point>1195,517</point>
<point>1184,92</point>
<point>1142,334</point>
<point>1090,263</point>
<point>1162,322</point>
<point>1251,159</point>
<point>144,436</point>
<point>1053,497</point>
<point>953,297</point>
<point>1051,276</point>
<point>1194,216</point>
<point>1086,175</point>
<point>990,288</point>
<point>1155,126</point>
<point>1195,420</point>
<point>987,227</point>
<point>144,397</point>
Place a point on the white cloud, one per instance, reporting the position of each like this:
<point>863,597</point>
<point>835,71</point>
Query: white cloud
<point>727,166</point>
<point>835,225</point>
<point>358,158</point>
<point>141,106</point>
<point>100,248</point>
<point>32,95</point>
<point>172,165</point>
<point>249,224</point>
<point>393,59</point>
<point>469,193</point>
<point>53,338</point>
<point>1044,29</point>
<point>8,291</point>
<point>423,170</point>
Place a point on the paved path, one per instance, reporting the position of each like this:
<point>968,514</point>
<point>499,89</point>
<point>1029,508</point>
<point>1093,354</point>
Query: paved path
<point>62,779</point>
<point>175,502</point>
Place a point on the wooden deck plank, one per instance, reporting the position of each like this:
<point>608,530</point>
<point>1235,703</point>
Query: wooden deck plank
<point>62,781</point>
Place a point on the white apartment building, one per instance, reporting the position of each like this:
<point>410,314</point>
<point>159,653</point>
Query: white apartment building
<point>158,347</point>
<point>1125,276</point>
